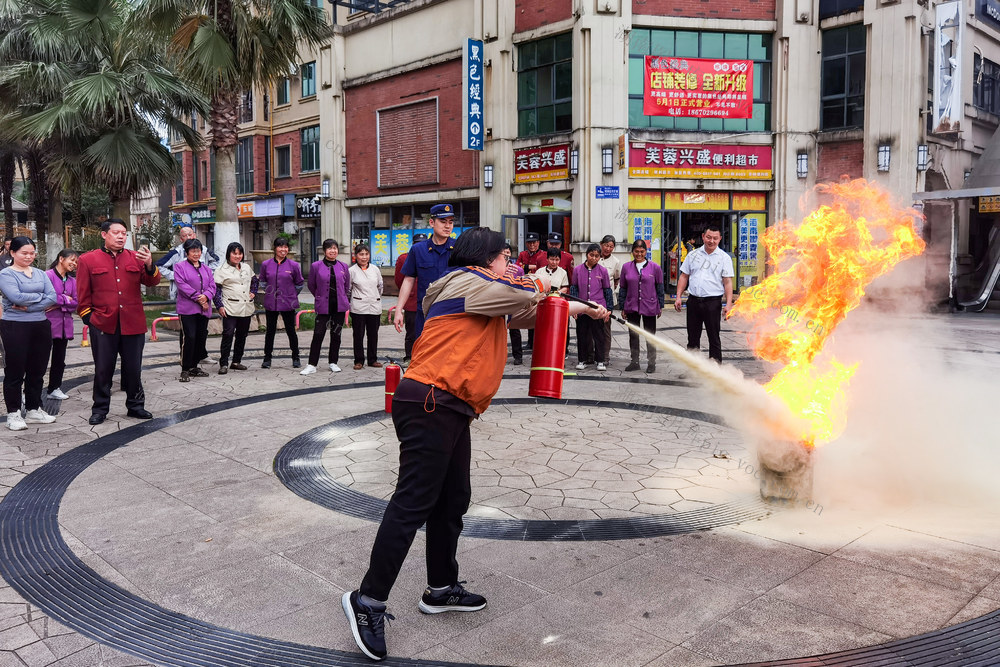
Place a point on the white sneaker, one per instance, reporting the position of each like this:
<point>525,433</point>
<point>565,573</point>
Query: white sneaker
<point>15,422</point>
<point>308,370</point>
<point>580,366</point>
<point>58,394</point>
<point>38,416</point>
<point>601,367</point>
<point>334,368</point>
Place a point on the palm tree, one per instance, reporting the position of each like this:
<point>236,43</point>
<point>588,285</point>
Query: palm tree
<point>91,95</point>
<point>226,47</point>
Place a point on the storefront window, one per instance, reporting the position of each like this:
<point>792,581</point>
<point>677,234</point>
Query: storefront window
<point>693,44</point>
<point>843,86</point>
<point>545,86</point>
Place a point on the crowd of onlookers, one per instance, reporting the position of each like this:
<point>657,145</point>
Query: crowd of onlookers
<point>38,306</point>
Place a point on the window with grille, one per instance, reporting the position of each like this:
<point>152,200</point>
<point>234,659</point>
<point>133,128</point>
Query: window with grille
<point>408,151</point>
<point>284,91</point>
<point>545,86</point>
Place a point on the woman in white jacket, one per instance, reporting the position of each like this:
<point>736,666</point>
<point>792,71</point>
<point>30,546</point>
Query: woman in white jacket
<point>234,300</point>
<point>366,306</point>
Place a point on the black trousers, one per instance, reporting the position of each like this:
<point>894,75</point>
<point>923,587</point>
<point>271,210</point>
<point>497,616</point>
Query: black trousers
<point>589,340</point>
<point>233,329</point>
<point>516,349</point>
<point>335,323</point>
<point>708,311</point>
<point>649,324</point>
<point>607,340</point>
<point>202,353</point>
<point>365,325</point>
<point>107,348</point>
<point>27,346</point>
<point>271,322</point>
<point>435,451</point>
<point>195,328</point>
<point>410,323</point>
<point>57,363</point>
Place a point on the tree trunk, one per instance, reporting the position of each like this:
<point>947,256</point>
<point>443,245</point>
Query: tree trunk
<point>39,193</point>
<point>7,192</point>
<point>76,214</point>
<point>225,138</point>
<point>55,238</point>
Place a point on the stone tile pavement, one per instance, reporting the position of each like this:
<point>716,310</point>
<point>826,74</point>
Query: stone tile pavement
<point>192,518</point>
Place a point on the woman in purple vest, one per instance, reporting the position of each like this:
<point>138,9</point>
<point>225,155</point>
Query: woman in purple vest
<point>330,284</point>
<point>195,291</point>
<point>640,294</point>
<point>280,281</point>
<point>62,276</point>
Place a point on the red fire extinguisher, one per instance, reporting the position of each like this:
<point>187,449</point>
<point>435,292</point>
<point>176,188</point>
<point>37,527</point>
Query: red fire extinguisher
<point>393,374</point>
<point>548,357</point>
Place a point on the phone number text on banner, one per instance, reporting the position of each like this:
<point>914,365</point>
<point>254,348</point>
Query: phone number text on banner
<point>698,88</point>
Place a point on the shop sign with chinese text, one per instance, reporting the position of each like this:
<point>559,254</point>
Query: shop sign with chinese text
<point>652,160</point>
<point>698,87</point>
<point>472,95</point>
<point>542,163</point>
<point>308,206</point>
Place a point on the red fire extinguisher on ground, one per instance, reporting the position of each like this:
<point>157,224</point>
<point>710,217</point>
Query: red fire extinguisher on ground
<point>548,356</point>
<point>393,374</point>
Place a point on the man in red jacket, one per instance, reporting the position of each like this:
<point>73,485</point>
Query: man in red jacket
<point>410,307</point>
<point>110,302</point>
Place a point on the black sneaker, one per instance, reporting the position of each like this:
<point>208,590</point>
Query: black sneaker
<point>453,598</point>
<point>634,366</point>
<point>367,625</point>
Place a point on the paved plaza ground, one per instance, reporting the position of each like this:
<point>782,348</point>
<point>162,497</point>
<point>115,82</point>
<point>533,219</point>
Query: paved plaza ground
<point>619,526</point>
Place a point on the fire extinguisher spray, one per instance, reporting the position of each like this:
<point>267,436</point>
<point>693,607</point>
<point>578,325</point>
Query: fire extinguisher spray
<point>548,357</point>
<point>393,374</point>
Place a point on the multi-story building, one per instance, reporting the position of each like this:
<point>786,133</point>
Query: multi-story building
<point>277,169</point>
<point>637,118</point>
<point>901,92</point>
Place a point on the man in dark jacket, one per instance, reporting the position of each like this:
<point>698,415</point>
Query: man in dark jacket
<point>108,283</point>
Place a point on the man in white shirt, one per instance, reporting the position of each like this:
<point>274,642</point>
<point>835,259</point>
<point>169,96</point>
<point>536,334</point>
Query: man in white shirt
<point>707,274</point>
<point>614,268</point>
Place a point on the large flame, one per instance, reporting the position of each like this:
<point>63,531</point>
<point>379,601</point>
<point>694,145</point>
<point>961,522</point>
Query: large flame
<point>820,271</point>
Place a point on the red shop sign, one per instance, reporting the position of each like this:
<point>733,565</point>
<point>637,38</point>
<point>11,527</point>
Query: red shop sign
<point>541,163</point>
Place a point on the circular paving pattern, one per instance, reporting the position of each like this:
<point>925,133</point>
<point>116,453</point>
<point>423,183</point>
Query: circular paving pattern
<point>36,561</point>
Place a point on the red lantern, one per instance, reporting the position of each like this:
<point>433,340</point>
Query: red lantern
<point>548,357</point>
<point>393,374</point>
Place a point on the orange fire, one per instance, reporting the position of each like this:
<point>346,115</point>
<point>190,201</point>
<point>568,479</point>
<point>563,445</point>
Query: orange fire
<point>820,271</point>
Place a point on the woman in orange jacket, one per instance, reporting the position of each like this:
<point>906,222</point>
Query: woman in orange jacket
<point>457,366</point>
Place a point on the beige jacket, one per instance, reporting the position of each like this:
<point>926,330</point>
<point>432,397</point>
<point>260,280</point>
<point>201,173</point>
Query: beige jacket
<point>234,284</point>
